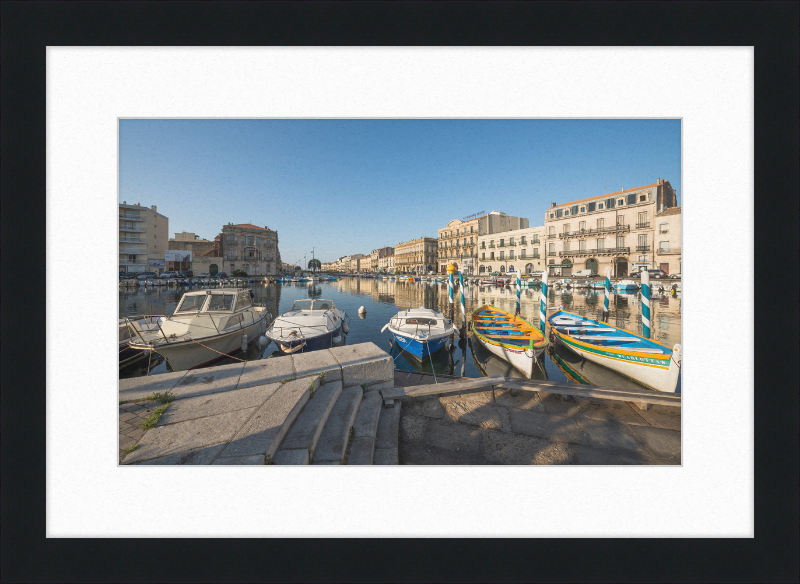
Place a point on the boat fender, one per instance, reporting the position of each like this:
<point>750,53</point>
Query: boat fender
<point>244,341</point>
<point>345,328</point>
<point>362,310</point>
<point>263,341</point>
<point>337,340</point>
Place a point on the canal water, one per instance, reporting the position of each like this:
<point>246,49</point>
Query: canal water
<point>383,298</point>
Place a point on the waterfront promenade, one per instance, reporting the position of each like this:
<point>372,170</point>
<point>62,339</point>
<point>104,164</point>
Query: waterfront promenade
<point>328,407</point>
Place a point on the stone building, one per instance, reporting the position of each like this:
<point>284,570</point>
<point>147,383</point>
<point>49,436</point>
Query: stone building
<point>458,240</point>
<point>417,256</point>
<point>386,263</point>
<point>668,240</point>
<point>250,248</point>
<point>143,238</point>
<point>378,254</point>
<point>204,257</point>
<point>518,250</point>
<point>614,230</point>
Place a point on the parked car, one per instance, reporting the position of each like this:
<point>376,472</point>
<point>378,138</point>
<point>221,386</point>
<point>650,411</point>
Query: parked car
<point>675,276</point>
<point>583,274</point>
<point>203,275</point>
<point>222,275</point>
<point>126,275</point>
<point>145,275</point>
<point>655,273</point>
<point>187,274</point>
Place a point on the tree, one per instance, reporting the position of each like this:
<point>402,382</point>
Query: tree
<point>314,265</point>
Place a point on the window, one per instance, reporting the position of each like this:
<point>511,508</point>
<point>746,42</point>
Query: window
<point>574,209</point>
<point>642,245</point>
<point>510,241</point>
<point>552,215</point>
<point>591,207</point>
<point>582,245</point>
<point>536,252</point>
<point>523,241</point>
<point>231,238</point>
<point>191,303</point>
<point>502,243</point>
<point>491,255</point>
<point>243,300</point>
<point>599,206</point>
<point>620,220</point>
<point>559,212</point>
<point>663,246</point>
<point>535,238</point>
<point>483,256</point>
<point>601,243</point>
<point>221,301</point>
<point>663,228</point>
<point>566,227</point>
<point>566,246</point>
<point>269,241</point>
<point>582,226</point>
<point>610,203</point>
<point>583,209</point>
<point>621,241</point>
<point>511,255</point>
<point>600,223</point>
<point>249,240</point>
<point>522,253</point>
<point>631,199</point>
<point>566,212</point>
<point>620,202</point>
<point>502,255</point>
<point>642,198</point>
<point>243,240</point>
<point>472,229</point>
<point>552,230</point>
<point>258,241</point>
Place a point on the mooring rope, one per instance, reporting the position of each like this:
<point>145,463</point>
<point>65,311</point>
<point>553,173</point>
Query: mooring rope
<point>221,353</point>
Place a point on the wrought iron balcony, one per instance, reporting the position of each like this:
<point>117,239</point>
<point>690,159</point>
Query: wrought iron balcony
<point>551,253</point>
<point>642,248</point>
<point>132,229</point>
<point>551,236</point>
<point>131,217</point>
<point>669,251</point>
<point>491,246</point>
<point>501,245</point>
<point>594,251</point>
<point>594,231</point>
<point>642,225</point>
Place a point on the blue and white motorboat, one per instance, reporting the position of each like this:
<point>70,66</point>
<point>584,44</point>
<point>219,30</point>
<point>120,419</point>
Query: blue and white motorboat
<point>626,285</point>
<point>421,331</point>
<point>309,326</point>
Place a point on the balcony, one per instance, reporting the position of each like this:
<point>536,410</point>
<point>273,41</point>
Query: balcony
<point>594,251</point>
<point>595,231</point>
<point>132,250</point>
<point>551,253</point>
<point>642,225</point>
<point>131,240</point>
<point>512,244</point>
<point>491,246</point>
<point>551,236</point>
<point>668,251</point>
<point>502,245</point>
<point>642,248</point>
<point>131,217</point>
<point>132,229</point>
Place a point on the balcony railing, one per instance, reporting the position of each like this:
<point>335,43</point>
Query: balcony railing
<point>491,246</point>
<point>594,251</point>
<point>131,217</point>
<point>642,248</point>
<point>132,229</point>
<point>668,251</point>
<point>595,231</point>
<point>642,225</point>
<point>131,240</point>
<point>551,236</point>
<point>551,253</point>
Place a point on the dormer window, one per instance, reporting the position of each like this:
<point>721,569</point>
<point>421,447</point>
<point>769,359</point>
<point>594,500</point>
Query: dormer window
<point>599,206</point>
<point>620,202</point>
<point>583,209</point>
<point>642,198</point>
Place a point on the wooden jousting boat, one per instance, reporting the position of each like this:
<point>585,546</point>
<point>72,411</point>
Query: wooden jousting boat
<point>508,336</point>
<point>647,362</point>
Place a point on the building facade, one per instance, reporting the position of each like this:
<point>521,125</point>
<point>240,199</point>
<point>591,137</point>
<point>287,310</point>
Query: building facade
<point>615,230</point>
<point>668,240</point>
<point>143,238</point>
<point>417,256</point>
<point>250,248</point>
<point>517,250</point>
<point>458,240</point>
<point>378,254</point>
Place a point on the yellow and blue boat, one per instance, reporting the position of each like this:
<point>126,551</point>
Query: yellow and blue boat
<point>508,336</point>
<point>645,361</point>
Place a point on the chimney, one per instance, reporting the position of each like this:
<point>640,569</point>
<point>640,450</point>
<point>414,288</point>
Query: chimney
<point>552,205</point>
<point>658,181</point>
<point>124,202</point>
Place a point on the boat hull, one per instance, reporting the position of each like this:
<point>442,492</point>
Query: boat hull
<point>521,359</point>
<point>314,343</point>
<point>419,349</point>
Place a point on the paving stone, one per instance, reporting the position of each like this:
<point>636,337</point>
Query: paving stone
<point>264,371</point>
<point>388,384</point>
<point>599,456</point>
<point>502,448</point>
<point>407,378</point>
<point>660,442</point>
<point>538,425</point>
<point>125,416</point>
<point>292,456</point>
<point>464,440</point>
<point>478,396</point>
<point>659,416</point>
<point>308,426</point>
<point>139,387</point>
<point>363,363</point>
<point>218,403</point>
<point>432,408</point>
<point>388,427</point>
<point>208,380</point>
<point>241,460</point>
<point>366,422</point>
<point>265,430</point>
<point>135,433</point>
<point>608,410</point>
<point>412,427</point>
<point>484,415</point>
<point>505,418</point>
<point>361,450</point>
<point>126,441</point>
<point>316,362</point>
<point>198,456</point>
<point>554,405</point>
<point>189,435</point>
<point>524,400</point>
<point>333,440</point>
<point>610,435</point>
<point>385,456</point>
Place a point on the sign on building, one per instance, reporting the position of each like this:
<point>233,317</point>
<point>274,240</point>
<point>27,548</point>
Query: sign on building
<point>155,265</point>
<point>178,255</point>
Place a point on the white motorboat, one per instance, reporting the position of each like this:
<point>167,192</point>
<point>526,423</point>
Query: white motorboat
<point>309,326</point>
<point>420,331</point>
<point>127,355</point>
<point>207,325</point>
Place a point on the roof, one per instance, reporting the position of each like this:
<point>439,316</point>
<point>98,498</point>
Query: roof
<point>670,211</point>
<point>250,226</point>
<point>605,196</point>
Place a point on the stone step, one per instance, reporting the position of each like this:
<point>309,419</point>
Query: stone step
<point>388,435</point>
<point>333,441</point>
<point>365,428</point>
<point>364,364</point>
<point>307,428</point>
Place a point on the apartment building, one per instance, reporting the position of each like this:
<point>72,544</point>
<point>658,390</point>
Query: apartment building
<point>458,240</point>
<point>143,238</point>
<point>378,254</point>
<point>417,256</point>
<point>668,240</point>
<point>615,230</point>
<point>517,250</point>
<point>386,263</point>
<point>250,248</point>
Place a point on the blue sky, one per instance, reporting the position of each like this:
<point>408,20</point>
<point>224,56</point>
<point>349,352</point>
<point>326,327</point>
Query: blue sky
<point>349,186</point>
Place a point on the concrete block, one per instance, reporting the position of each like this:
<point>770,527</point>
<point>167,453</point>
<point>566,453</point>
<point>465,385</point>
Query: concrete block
<point>184,436</point>
<point>265,371</point>
<point>608,410</point>
<point>316,362</point>
<point>139,387</point>
<point>389,427</point>
<point>308,426</point>
<point>209,380</point>
<point>198,456</point>
<point>208,405</point>
<point>502,448</point>
<point>378,386</point>
<point>660,442</point>
<point>366,422</point>
<point>241,460</point>
<point>407,378</point>
<point>333,441</point>
<point>558,428</point>
<point>291,456</point>
<point>361,450</point>
<point>363,363</point>
<point>610,435</point>
<point>266,428</point>
<point>385,456</point>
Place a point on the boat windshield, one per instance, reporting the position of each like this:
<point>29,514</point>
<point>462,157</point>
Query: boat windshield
<point>302,305</point>
<point>313,305</point>
<point>323,305</point>
<point>221,301</point>
<point>192,303</point>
